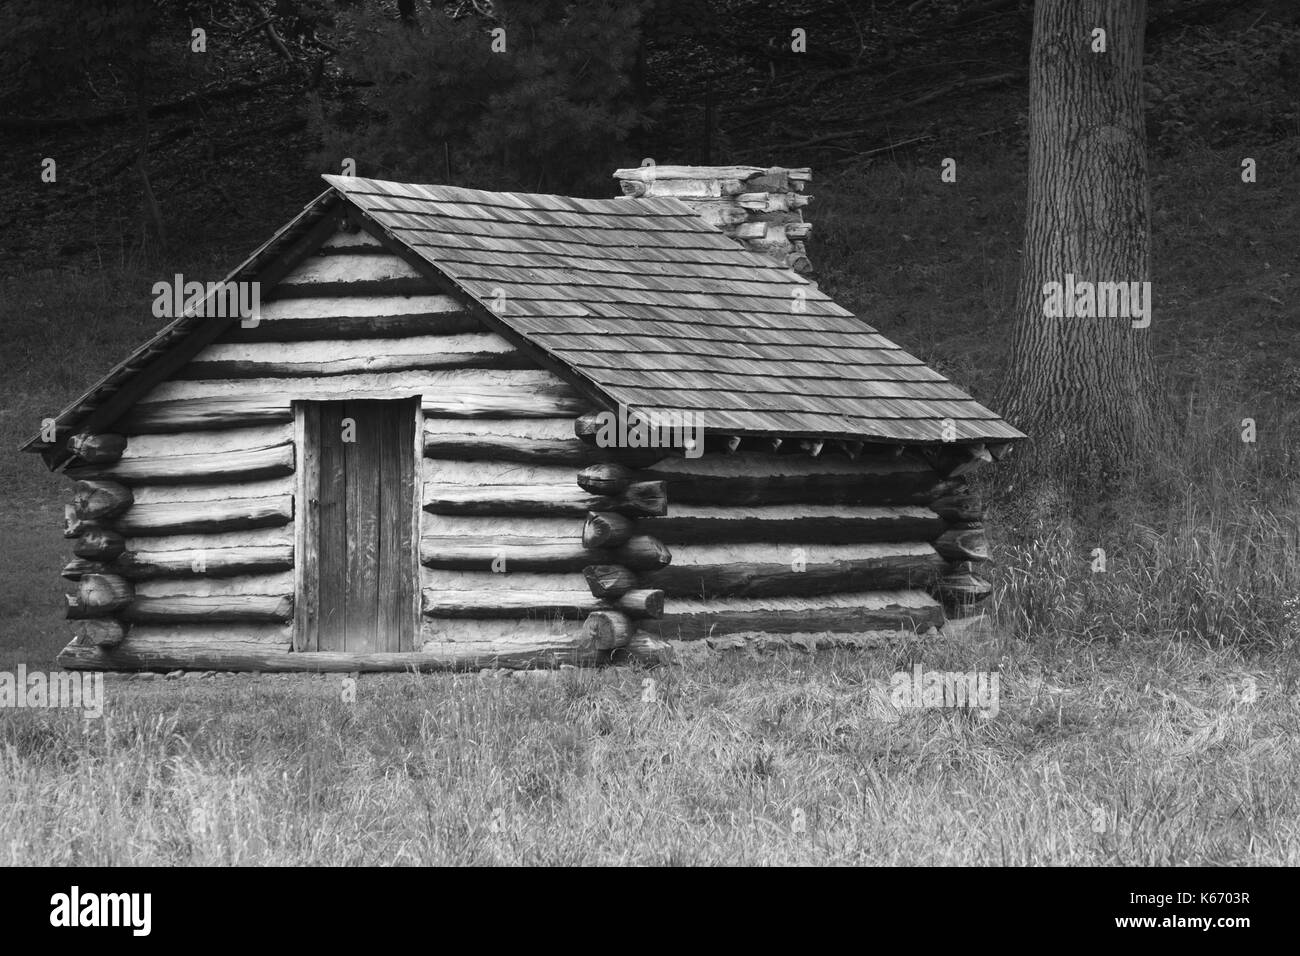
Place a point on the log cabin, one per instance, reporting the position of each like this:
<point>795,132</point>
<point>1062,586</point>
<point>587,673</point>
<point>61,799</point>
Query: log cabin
<point>436,443</point>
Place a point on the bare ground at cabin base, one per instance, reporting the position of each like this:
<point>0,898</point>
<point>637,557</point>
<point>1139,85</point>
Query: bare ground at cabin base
<point>1130,753</point>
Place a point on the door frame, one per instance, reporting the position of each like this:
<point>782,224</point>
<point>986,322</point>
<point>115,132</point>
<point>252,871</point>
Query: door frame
<point>305,632</point>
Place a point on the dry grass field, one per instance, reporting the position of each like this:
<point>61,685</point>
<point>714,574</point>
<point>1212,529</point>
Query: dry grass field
<point>1134,752</point>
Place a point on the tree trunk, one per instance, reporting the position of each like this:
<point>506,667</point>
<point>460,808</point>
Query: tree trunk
<point>1083,387</point>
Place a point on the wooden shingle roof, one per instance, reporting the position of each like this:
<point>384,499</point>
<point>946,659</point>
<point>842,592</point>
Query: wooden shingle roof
<point>639,298</point>
<point>663,313</point>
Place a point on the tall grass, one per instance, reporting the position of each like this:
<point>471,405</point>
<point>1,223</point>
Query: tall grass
<point>1141,753</point>
<point>1202,543</point>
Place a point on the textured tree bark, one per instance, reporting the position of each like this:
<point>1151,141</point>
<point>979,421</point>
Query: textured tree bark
<point>1083,387</point>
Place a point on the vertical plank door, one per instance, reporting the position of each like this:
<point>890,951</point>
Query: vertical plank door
<point>358,569</point>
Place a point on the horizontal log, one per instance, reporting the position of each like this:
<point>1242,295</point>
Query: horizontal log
<point>963,543</point>
<point>535,384</point>
<point>273,583</point>
<point>170,444</point>
<point>593,428</point>
<point>99,544</point>
<point>475,473</point>
<point>509,553</point>
<point>482,350</point>
<point>823,524</point>
<point>320,318</point>
<point>505,553</point>
<point>75,527</point>
<point>180,517</point>
<point>99,632</point>
<point>360,275</point>
<point>749,230</point>
<point>99,595</point>
<point>606,478</point>
<point>720,213</point>
<point>434,630</point>
<point>608,629</point>
<point>517,579</point>
<point>976,455</point>
<point>198,562</point>
<point>755,570</point>
<point>258,551</point>
<point>215,491</point>
<point>641,498</point>
<point>684,188</point>
<point>540,441</point>
<point>953,461</point>
<point>761,178</point>
<point>254,538</point>
<point>609,580</point>
<point>836,613</point>
<point>958,508</point>
<point>474,528</point>
<point>606,529</point>
<point>772,201</point>
<point>641,603</point>
<point>520,596</point>
<point>77,610</point>
<point>769,479</point>
<point>99,500</point>
<point>368,267</point>
<point>204,413</point>
<point>505,602</point>
<point>641,552</point>
<point>78,568</point>
<point>97,449</point>
<point>173,647</point>
<point>540,500</point>
<point>243,649</point>
<point>210,608</point>
<point>481,579</point>
<point>246,464</point>
<point>462,393</point>
<point>798,262</point>
<point>357,241</point>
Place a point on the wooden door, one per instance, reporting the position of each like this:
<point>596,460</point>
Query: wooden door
<point>357,565</point>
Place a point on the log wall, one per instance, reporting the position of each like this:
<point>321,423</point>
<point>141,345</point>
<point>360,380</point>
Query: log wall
<point>183,515</point>
<point>535,546</point>
<point>813,539</point>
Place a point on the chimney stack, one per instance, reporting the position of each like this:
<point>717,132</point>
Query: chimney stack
<point>761,208</point>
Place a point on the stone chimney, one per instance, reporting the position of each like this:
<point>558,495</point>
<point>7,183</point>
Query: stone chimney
<point>760,208</point>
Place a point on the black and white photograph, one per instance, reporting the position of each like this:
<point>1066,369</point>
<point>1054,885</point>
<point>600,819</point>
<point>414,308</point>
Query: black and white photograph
<point>651,433</point>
